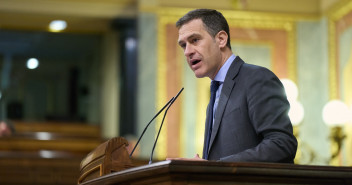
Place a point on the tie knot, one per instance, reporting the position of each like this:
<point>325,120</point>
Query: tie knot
<point>214,86</point>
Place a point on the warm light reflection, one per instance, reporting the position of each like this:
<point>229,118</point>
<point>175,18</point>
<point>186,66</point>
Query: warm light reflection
<point>130,43</point>
<point>32,63</point>
<point>57,25</point>
<point>46,154</point>
<point>291,89</point>
<point>335,113</point>
<point>296,112</point>
<point>43,136</point>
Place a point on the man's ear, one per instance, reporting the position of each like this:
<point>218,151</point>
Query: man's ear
<point>222,38</point>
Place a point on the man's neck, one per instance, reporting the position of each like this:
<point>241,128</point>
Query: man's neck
<point>226,54</point>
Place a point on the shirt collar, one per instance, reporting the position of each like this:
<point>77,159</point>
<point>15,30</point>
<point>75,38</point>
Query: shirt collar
<point>220,76</point>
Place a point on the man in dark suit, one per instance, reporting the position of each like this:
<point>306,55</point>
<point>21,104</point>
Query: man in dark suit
<point>247,119</point>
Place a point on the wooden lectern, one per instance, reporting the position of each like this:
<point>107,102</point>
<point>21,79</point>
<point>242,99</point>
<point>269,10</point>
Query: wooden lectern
<point>200,172</point>
<point>223,173</point>
<point>110,156</point>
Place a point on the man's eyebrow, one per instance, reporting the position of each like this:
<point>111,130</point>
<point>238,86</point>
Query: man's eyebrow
<point>192,36</point>
<point>180,42</point>
<point>189,37</point>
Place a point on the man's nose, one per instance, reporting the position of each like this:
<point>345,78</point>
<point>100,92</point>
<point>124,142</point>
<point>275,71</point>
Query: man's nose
<point>189,50</point>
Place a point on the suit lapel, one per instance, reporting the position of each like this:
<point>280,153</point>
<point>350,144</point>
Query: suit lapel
<point>229,84</point>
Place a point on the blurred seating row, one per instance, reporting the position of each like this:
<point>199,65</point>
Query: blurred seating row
<point>46,153</point>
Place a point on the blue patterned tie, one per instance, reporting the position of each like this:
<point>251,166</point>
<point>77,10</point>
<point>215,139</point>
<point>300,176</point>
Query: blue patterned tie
<point>213,88</point>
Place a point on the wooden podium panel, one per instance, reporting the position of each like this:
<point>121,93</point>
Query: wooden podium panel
<point>222,173</point>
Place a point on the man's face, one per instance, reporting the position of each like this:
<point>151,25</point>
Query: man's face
<point>200,48</point>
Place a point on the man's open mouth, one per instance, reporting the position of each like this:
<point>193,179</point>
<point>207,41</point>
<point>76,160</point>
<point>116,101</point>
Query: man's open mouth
<point>195,62</point>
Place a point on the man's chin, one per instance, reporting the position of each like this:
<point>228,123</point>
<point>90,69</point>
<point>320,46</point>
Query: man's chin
<point>199,75</point>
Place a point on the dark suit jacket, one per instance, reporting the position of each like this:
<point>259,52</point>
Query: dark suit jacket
<point>251,122</point>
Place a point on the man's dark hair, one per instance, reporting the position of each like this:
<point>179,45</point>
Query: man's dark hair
<point>213,21</point>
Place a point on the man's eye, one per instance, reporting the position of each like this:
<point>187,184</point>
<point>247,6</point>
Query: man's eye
<point>195,40</point>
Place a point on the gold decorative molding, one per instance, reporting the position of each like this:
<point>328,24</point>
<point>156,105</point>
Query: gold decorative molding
<point>161,85</point>
<point>333,87</point>
<point>339,10</point>
<point>268,16</point>
<point>267,44</point>
<point>234,14</point>
<point>203,88</point>
<point>264,22</point>
<point>335,13</point>
<point>291,55</point>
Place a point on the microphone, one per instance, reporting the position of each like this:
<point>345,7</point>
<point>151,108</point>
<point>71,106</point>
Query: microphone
<point>161,125</point>
<point>156,115</point>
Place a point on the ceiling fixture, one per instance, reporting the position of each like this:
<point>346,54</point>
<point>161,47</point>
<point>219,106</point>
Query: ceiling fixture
<point>32,63</point>
<point>57,25</point>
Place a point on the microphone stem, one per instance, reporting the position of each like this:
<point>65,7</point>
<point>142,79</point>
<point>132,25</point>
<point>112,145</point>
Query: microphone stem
<point>135,146</point>
<point>157,137</point>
